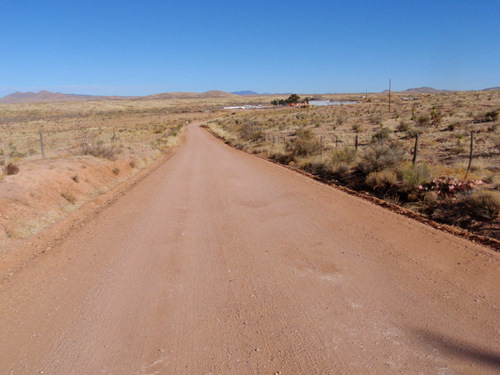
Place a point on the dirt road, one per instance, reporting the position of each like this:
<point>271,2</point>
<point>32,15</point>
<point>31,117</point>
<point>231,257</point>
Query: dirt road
<point>221,263</point>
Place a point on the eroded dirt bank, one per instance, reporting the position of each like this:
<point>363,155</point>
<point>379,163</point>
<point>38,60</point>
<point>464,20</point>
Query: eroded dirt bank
<point>219,262</point>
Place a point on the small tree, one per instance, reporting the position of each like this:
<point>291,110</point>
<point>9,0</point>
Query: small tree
<point>294,98</point>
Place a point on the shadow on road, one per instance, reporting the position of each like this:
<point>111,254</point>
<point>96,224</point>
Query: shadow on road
<point>460,348</point>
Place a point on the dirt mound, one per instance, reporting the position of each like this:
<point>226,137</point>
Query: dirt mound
<point>46,190</point>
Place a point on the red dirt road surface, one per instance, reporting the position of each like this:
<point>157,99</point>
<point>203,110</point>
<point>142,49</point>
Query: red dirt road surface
<point>219,262</point>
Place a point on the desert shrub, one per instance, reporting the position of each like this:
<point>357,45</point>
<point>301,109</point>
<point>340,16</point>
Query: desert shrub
<point>252,132</point>
<point>381,135</point>
<point>305,144</point>
<point>487,116</point>
<point>403,126</point>
<point>11,169</point>
<point>100,151</point>
<point>381,156</point>
<point>423,120</point>
<point>493,127</point>
<point>68,195</point>
<point>341,118</point>
<point>357,127</point>
<point>413,131</point>
<point>436,116</point>
<point>14,153</point>
<point>489,178</point>
<point>116,171</point>
<point>281,156</point>
<point>158,129</point>
<point>429,202</point>
<point>459,147</point>
<point>342,169</point>
<point>416,176</point>
<point>382,181</point>
<point>75,178</point>
<point>344,155</point>
<point>496,141</point>
<point>484,204</point>
<point>375,119</point>
<point>317,166</point>
<point>132,164</point>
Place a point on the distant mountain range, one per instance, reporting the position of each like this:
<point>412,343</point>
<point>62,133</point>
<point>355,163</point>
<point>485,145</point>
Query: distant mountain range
<point>431,90</point>
<point>47,96</point>
<point>420,90</point>
<point>243,93</point>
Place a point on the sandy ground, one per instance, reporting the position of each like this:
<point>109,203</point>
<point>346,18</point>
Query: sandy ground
<point>222,263</point>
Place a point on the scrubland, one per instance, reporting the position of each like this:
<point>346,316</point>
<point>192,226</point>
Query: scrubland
<point>93,146</point>
<point>89,148</point>
<point>367,147</point>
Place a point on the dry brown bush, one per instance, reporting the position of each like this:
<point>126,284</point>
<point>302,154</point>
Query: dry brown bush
<point>484,204</point>
<point>382,181</point>
<point>100,151</point>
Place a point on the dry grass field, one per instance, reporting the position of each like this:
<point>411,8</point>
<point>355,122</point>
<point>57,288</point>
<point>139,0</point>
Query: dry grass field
<point>90,147</point>
<point>439,185</point>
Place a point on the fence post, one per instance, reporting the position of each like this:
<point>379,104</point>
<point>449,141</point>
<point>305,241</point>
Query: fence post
<point>415,150</point>
<point>5,153</point>
<point>356,143</point>
<point>41,145</point>
<point>471,153</point>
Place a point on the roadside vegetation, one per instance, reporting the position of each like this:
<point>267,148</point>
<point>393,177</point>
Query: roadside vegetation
<point>54,157</point>
<point>367,148</point>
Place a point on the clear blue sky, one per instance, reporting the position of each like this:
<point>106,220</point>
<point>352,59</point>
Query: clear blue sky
<point>144,47</point>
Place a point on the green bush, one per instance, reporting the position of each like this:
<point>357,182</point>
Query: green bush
<point>403,126</point>
<point>382,135</point>
<point>305,144</point>
<point>344,155</point>
<point>381,156</point>
<point>415,176</point>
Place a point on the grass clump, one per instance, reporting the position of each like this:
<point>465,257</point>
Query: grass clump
<point>344,154</point>
<point>305,144</point>
<point>415,176</point>
<point>68,195</point>
<point>100,151</point>
<point>382,181</point>
<point>382,135</point>
<point>484,204</point>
